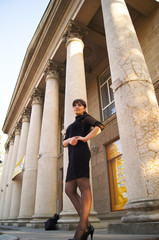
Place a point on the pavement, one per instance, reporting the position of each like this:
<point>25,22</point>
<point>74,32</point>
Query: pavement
<point>23,233</point>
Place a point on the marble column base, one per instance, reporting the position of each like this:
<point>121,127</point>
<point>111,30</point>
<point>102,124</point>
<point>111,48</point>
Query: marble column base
<point>22,221</point>
<point>141,216</point>
<point>151,228</point>
<point>67,217</point>
<point>5,223</point>
<point>142,211</point>
<point>14,223</point>
<point>35,225</point>
<point>38,222</point>
<point>69,220</point>
<point>36,218</point>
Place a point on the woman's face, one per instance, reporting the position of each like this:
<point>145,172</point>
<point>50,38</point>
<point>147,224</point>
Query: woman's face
<point>79,109</point>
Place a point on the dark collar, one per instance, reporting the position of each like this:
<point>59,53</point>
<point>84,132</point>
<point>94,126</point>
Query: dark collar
<point>81,116</point>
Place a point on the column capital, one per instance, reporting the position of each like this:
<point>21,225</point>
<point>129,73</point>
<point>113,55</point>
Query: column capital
<point>18,128</point>
<point>11,139</point>
<point>6,146</point>
<point>53,69</point>
<point>74,30</point>
<point>26,115</point>
<point>37,96</point>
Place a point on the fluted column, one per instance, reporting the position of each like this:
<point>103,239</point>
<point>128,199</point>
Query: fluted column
<point>11,143</point>
<point>75,87</point>
<point>11,170</point>
<point>137,113</point>
<point>46,191</point>
<point>31,160</point>
<point>17,183</point>
<point>3,180</point>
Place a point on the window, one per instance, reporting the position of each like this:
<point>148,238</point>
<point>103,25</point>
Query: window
<point>106,93</point>
<point>117,182</point>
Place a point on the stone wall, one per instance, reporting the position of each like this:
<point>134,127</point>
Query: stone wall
<point>147,29</point>
<point>148,33</point>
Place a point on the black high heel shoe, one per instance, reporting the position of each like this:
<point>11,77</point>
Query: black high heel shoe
<point>82,237</point>
<point>89,231</point>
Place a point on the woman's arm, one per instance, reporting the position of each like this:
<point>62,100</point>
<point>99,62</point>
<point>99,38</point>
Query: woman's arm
<point>73,141</point>
<point>90,135</point>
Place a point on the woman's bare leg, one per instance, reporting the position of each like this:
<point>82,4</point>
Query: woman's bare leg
<point>80,203</point>
<point>86,200</point>
<point>71,191</point>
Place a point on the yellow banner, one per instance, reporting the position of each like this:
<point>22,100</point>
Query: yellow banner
<point>117,176</point>
<point>18,168</point>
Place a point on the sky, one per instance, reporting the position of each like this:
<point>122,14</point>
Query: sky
<point>18,22</point>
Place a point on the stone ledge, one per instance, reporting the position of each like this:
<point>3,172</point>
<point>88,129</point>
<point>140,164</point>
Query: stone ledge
<point>134,228</point>
<point>19,224</point>
<point>35,225</point>
<point>66,227</point>
<point>8,237</point>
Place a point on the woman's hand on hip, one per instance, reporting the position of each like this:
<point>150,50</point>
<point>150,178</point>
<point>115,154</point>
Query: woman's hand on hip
<point>73,141</point>
<point>83,139</point>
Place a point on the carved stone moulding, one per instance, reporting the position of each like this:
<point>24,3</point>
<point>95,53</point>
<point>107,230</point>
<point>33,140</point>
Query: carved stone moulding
<point>11,138</point>
<point>26,114</point>
<point>18,128</point>
<point>75,30</point>
<point>6,146</point>
<point>37,96</point>
<point>54,69</point>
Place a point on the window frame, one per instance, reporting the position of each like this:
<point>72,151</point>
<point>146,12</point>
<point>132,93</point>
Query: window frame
<point>109,95</point>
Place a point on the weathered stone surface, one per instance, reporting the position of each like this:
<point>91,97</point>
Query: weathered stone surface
<point>134,228</point>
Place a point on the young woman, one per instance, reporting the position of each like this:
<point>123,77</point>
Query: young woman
<point>77,135</point>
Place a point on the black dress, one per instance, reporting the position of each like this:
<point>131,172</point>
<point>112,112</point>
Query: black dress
<point>79,155</point>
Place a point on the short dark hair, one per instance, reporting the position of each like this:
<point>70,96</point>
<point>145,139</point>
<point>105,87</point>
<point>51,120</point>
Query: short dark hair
<point>79,101</point>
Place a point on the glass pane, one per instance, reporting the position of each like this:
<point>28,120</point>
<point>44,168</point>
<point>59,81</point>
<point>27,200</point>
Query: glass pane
<point>110,110</point>
<point>105,76</point>
<point>114,149</point>
<point>102,80</point>
<point>111,90</point>
<point>104,93</point>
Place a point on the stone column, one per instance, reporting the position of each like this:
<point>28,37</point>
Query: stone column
<point>3,180</point>
<point>46,191</point>
<point>16,193</point>
<point>11,170</point>
<point>31,160</point>
<point>75,87</point>
<point>137,113</point>
<point>11,142</point>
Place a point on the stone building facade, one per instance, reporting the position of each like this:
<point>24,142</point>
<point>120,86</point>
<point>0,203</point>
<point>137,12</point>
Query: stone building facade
<point>106,52</point>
